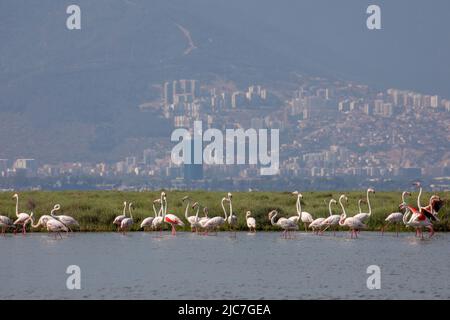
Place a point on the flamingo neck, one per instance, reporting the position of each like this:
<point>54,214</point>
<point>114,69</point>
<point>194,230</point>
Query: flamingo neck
<point>129,210</point>
<point>343,209</point>
<point>124,209</point>
<point>329,208</point>
<point>224,210</point>
<point>418,200</point>
<point>187,210</point>
<point>154,210</point>
<point>17,206</point>
<point>196,213</point>
<point>368,203</point>
<point>299,206</point>
<point>272,220</point>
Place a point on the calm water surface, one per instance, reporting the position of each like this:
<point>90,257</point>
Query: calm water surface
<point>189,266</point>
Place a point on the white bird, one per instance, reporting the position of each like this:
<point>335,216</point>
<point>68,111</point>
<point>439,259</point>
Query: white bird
<point>363,217</point>
<point>170,218</point>
<point>118,220</point>
<point>42,222</point>
<point>352,223</point>
<point>232,219</point>
<point>148,222</point>
<point>157,223</point>
<point>5,224</point>
<point>193,220</point>
<point>316,225</point>
<point>68,221</point>
<point>216,222</point>
<point>395,217</point>
<point>49,222</point>
<point>251,222</point>
<point>203,220</point>
<point>333,219</point>
<point>127,222</point>
<point>286,224</point>
<point>22,218</point>
<point>56,226</point>
<point>304,216</point>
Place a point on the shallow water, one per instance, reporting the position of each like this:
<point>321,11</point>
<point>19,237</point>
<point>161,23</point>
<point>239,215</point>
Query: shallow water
<point>189,266</point>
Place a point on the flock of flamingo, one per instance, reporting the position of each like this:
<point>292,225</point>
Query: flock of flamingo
<point>418,218</point>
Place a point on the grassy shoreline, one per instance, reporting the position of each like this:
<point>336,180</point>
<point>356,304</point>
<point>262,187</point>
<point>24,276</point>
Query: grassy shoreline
<point>95,210</point>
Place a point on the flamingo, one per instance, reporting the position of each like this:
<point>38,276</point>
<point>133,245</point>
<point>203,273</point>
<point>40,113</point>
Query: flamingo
<point>232,219</point>
<point>395,217</point>
<point>22,218</point>
<point>42,222</point>
<point>418,220</point>
<point>363,217</point>
<point>193,220</point>
<point>251,222</point>
<point>203,220</point>
<point>304,216</point>
<point>170,218</point>
<point>6,223</point>
<point>127,223</point>
<point>316,225</point>
<point>286,224</point>
<point>51,223</point>
<point>333,219</point>
<point>148,222</point>
<point>351,222</point>
<point>421,218</point>
<point>118,220</point>
<point>68,221</point>
<point>157,223</point>
<point>216,222</point>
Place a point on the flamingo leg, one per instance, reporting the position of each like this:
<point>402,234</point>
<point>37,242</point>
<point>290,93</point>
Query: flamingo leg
<point>431,231</point>
<point>396,229</point>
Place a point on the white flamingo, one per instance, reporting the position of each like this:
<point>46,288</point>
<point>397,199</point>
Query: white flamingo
<point>363,217</point>
<point>216,222</point>
<point>232,219</point>
<point>316,225</point>
<point>22,218</point>
<point>51,224</point>
<point>5,224</point>
<point>68,221</point>
<point>118,220</point>
<point>193,220</point>
<point>127,222</point>
<point>352,223</point>
<point>157,223</point>
<point>148,222</point>
<point>42,222</point>
<point>203,220</point>
<point>170,218</point>
<point>304,216</point>
<point>333,219</point>
<point>395,217</point>
<point>251,222</point>
<point>286,224</point>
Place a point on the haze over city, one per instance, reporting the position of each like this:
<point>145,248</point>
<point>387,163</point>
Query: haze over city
<point>95,108</point>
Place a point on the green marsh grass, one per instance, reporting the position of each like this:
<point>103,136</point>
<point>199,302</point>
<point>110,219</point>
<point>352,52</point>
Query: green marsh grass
<point>95,210</point>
